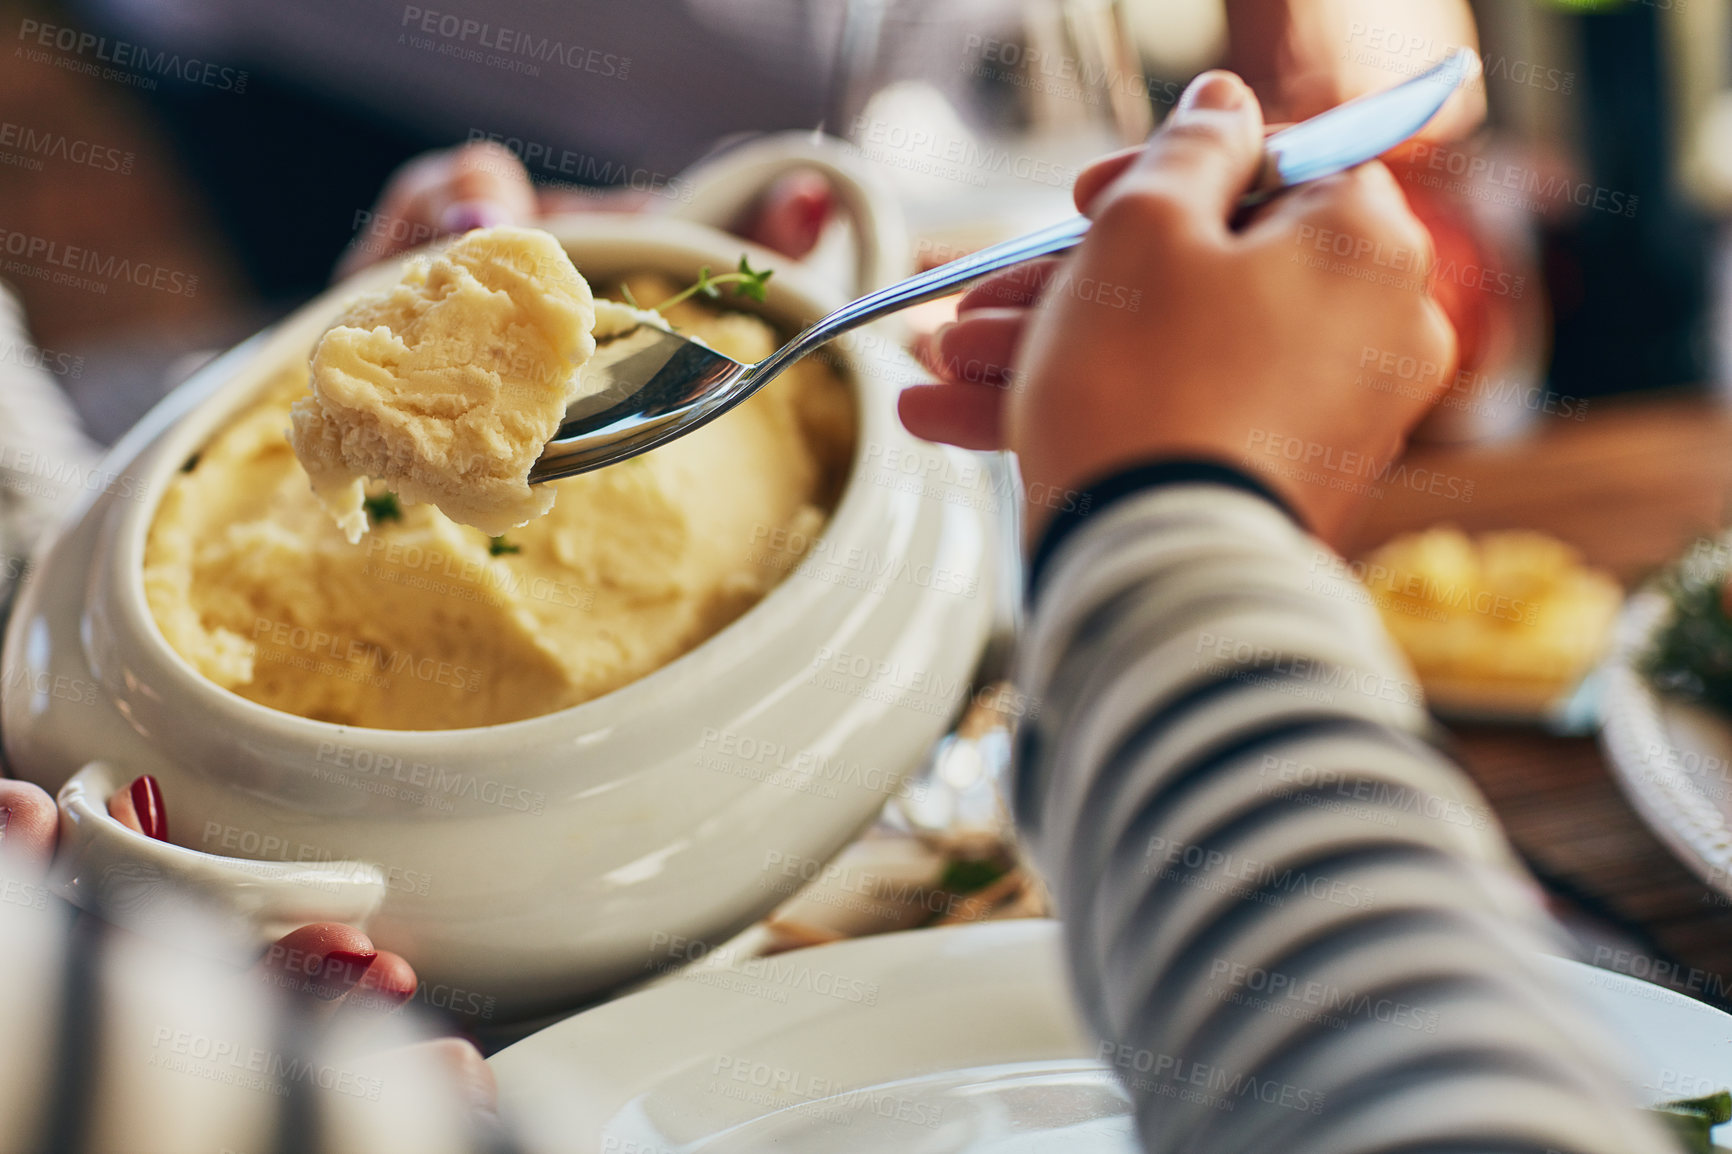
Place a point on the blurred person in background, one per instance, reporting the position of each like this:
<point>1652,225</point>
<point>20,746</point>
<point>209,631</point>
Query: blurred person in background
<point>340,93</point>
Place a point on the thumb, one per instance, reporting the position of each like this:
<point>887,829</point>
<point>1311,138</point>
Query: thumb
<point>1203,159</point>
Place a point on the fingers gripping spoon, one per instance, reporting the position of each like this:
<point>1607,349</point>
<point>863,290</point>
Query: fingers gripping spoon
<point>648,386</point>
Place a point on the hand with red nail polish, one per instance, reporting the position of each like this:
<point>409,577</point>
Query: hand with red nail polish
<point>139,807</point>
<point>482,184</point>
<point>334,967</point>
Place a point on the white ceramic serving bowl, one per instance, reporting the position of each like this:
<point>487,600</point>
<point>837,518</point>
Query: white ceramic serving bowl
<point>527,866</point>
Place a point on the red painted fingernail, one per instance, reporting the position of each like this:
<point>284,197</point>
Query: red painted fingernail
<point>147,801</point>
<point>341,970</point>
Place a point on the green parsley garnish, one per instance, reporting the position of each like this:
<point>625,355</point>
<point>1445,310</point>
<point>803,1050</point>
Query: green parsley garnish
<point>498,546</point>
<point>384,507</point>
<point>964,877</point>
<point>747,282</point>
<point>1692,1119</point>
<point>1691,654</point>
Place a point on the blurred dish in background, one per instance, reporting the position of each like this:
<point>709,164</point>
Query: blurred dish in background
<point>1502,626</point>
<point>1667,710</point>
<point>955,1041</point>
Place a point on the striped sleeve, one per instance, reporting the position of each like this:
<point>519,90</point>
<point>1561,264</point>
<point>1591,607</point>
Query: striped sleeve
<point>1292,923</point>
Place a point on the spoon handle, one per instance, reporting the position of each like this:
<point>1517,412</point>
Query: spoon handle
<point>926,286</point>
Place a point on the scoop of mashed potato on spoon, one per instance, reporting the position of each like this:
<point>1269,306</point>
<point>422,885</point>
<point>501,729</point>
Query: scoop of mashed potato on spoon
<point>447,386</point>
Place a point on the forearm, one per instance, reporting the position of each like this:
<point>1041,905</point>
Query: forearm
<point>1290,919</point>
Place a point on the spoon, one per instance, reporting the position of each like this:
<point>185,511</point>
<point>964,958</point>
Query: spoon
<point>648,386</point>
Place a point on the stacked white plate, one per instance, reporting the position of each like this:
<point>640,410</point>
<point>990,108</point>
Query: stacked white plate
<point>926,1042</point>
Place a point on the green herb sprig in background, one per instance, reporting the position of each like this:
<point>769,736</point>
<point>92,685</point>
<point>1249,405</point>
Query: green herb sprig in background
<point>747,282</point>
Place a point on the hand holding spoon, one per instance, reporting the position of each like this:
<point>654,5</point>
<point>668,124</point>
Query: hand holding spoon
<point>648,386</point>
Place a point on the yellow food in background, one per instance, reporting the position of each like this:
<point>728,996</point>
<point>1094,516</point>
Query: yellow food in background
<point>422,626</point>
<point>1508,620</point>
<point>448,385</point>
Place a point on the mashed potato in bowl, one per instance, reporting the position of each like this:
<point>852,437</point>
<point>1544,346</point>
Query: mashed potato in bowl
<point>428,624</point>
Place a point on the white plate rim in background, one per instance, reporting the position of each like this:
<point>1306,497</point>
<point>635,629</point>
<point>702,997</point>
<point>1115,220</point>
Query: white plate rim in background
<point>986,994</point>
<point>1636,720</point>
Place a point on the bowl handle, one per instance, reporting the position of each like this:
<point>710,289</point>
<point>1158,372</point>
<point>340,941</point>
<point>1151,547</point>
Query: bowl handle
<point>142,883</point>
<point>719,189</point>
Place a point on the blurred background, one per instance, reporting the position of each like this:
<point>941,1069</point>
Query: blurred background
<point>231,151</point>
<point>176,174</point>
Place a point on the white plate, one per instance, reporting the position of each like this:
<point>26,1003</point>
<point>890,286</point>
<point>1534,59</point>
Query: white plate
<point>924,1042</point>
<point>1673,759</point>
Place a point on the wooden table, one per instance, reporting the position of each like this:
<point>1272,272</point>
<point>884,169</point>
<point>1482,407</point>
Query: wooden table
<point>1630,486</point>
